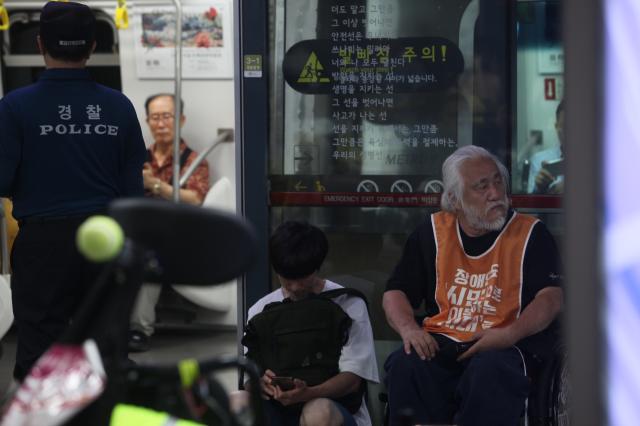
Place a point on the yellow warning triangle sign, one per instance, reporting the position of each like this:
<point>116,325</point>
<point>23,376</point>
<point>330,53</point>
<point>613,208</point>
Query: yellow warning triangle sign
<point>312,71</point>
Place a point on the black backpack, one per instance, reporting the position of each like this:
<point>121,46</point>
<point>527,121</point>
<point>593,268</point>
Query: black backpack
<point>303,339</point>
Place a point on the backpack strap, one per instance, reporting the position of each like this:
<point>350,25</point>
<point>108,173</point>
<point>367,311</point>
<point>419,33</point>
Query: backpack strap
<point>183,158</point>
<point>353,400</point>
<point>332,294</point>
<point>185,154</point>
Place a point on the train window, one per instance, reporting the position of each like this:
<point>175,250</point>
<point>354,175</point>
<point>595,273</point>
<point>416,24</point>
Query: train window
<point>370,96</point>
<point>388,89</point>
<point>25,26</point>
<point>22,33</point>
<point>474,58</point>
<point>390,124</point>
<point>22,63</point>
<point>539,89</point>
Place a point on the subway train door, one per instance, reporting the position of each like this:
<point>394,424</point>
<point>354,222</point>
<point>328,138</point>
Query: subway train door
<point>347,110</point>
<point>358,103</point>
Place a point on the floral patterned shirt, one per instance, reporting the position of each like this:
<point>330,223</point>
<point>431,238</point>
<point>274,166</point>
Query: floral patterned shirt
<point>198,181</point>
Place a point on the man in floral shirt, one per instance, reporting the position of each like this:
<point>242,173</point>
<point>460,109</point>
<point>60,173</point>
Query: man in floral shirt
<point>158,170</point>
<point>158,182</point>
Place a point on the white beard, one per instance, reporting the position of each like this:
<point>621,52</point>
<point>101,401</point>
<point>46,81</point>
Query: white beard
<point>476,218</point>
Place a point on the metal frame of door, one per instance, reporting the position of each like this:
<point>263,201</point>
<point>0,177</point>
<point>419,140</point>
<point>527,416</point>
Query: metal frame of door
<point>252,125</point>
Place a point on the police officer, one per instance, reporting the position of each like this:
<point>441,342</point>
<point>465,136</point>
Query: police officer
<point>68,146</point>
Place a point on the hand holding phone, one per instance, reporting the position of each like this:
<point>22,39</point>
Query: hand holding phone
<point>284,383</point>
<point>555,167</point>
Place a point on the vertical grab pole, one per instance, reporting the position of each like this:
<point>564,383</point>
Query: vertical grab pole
<point>177,103</point>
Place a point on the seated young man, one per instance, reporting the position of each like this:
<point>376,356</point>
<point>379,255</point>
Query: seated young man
<point>297,250</point>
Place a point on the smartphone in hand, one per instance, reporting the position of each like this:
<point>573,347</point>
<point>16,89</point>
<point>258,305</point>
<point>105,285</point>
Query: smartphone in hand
<point>555,167</point>
<point>285,383</point>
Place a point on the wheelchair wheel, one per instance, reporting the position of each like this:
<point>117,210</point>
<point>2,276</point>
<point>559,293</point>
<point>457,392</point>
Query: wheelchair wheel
<point>561,390</point>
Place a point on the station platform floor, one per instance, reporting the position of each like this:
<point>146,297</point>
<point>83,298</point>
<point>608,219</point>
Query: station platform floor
<point>167,346</point>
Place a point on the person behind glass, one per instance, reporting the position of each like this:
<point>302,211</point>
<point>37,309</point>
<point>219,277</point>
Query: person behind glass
<point>545,177</point>
<point>158,183</point>
<point>488,276</point>
<point>297,251</point>
<point>68,146</point>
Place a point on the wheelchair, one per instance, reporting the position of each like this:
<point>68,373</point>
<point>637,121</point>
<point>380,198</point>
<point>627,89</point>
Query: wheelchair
<point>165,243</point>
<point>548,402</point>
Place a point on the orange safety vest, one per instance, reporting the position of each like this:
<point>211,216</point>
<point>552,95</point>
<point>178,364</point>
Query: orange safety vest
<point>477,292</point>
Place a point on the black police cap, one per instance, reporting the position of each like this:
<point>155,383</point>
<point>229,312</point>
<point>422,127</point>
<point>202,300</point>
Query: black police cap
<point>67,25</point>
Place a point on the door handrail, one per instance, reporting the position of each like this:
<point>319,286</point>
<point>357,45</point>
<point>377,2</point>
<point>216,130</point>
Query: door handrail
<point>224,137</point>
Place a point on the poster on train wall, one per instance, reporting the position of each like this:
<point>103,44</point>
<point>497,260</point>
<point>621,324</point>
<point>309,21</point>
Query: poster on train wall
<point>207,50</point>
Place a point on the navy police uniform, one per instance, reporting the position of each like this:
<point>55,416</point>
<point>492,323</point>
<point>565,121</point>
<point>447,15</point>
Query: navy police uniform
<point>68,146</point>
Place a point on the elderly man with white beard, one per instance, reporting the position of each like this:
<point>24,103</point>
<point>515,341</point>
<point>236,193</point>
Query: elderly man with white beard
<point>489,281</point>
